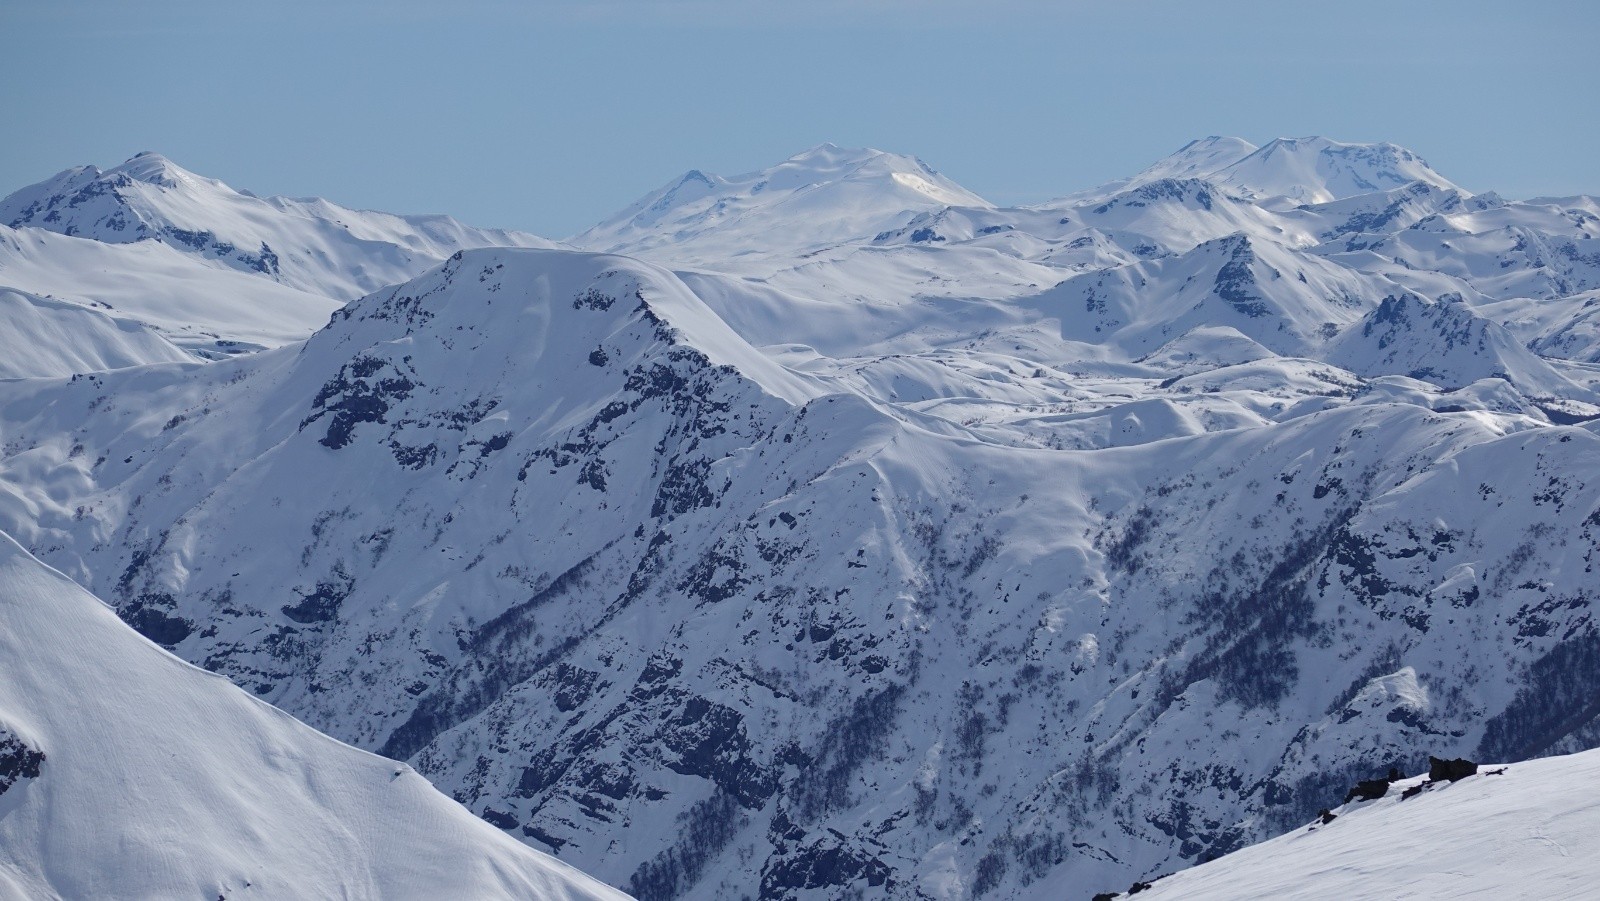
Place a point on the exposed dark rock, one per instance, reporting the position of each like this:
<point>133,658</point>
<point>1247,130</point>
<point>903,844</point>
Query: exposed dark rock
<point>150,616</point>
<point>821,866</point>
<point>498,819</point>
<point>1440,770</point>
<point>1367,790</point>
<point>18,760</point>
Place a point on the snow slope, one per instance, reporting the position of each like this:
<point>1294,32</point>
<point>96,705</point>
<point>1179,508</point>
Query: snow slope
<point>1532,831</point>
<point>1285,301</point>
<point>1196,159</point>
<point>158,780</point>
<point>50,338</point>
<point>200,308</point>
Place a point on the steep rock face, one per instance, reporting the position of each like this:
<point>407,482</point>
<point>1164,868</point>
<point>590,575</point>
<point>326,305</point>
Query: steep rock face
<point>577,408</point>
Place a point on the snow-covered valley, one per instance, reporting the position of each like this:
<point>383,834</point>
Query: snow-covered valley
<point>827,530</point>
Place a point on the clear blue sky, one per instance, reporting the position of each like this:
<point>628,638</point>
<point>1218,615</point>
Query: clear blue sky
<point>548,116</point>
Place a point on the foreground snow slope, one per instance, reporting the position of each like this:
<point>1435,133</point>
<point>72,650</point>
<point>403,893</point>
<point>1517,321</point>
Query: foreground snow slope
<point>159,780</point>
<point>1532,831</point>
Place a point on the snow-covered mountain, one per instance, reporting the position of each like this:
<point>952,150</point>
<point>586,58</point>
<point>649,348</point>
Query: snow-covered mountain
<point>1526,830</point>
<point>127,773</point>
<point>1194,160</point>
<point>1446,343</point>
<point>1283,173</point>
<point>870,539</point>
<point>1289,172</point>
<point>1283,300</point>
<point>311,245</point>
<point>824,196</point>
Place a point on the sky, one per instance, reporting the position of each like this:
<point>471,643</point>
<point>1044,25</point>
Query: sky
<point>549,116</point>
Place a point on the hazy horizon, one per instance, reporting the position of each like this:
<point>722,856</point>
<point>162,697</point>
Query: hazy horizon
<point>548,116</point>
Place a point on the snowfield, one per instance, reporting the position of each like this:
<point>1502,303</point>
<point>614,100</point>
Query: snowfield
<point>829,531</point>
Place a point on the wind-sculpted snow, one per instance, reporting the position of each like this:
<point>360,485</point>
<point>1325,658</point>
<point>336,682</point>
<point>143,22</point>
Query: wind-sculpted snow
<point>1023,558</point>
<point>127,773</point>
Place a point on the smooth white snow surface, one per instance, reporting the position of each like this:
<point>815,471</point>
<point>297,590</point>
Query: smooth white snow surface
<point>45,337</point>
<point>161,781</point>
<point>1531,832</point>
<point>198,307</point>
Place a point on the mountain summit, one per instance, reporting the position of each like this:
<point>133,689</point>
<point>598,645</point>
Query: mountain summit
<point>1283,173</point>
<point>1293,171</point>
<point>311,245</point>
<point>821,196</point>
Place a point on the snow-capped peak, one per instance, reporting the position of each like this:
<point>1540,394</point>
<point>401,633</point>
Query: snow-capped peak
<point>1284,172</point>
<point>311,245</point>
<point>820,196</point>
<point>154,169</point>
<point>1197,159</point>
<point>1293,171</point>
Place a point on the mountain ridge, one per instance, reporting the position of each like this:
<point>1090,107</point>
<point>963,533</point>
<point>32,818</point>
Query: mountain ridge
<point>925,550</point>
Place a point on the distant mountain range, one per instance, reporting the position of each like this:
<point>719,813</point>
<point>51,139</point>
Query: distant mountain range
<point>824,531</point>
